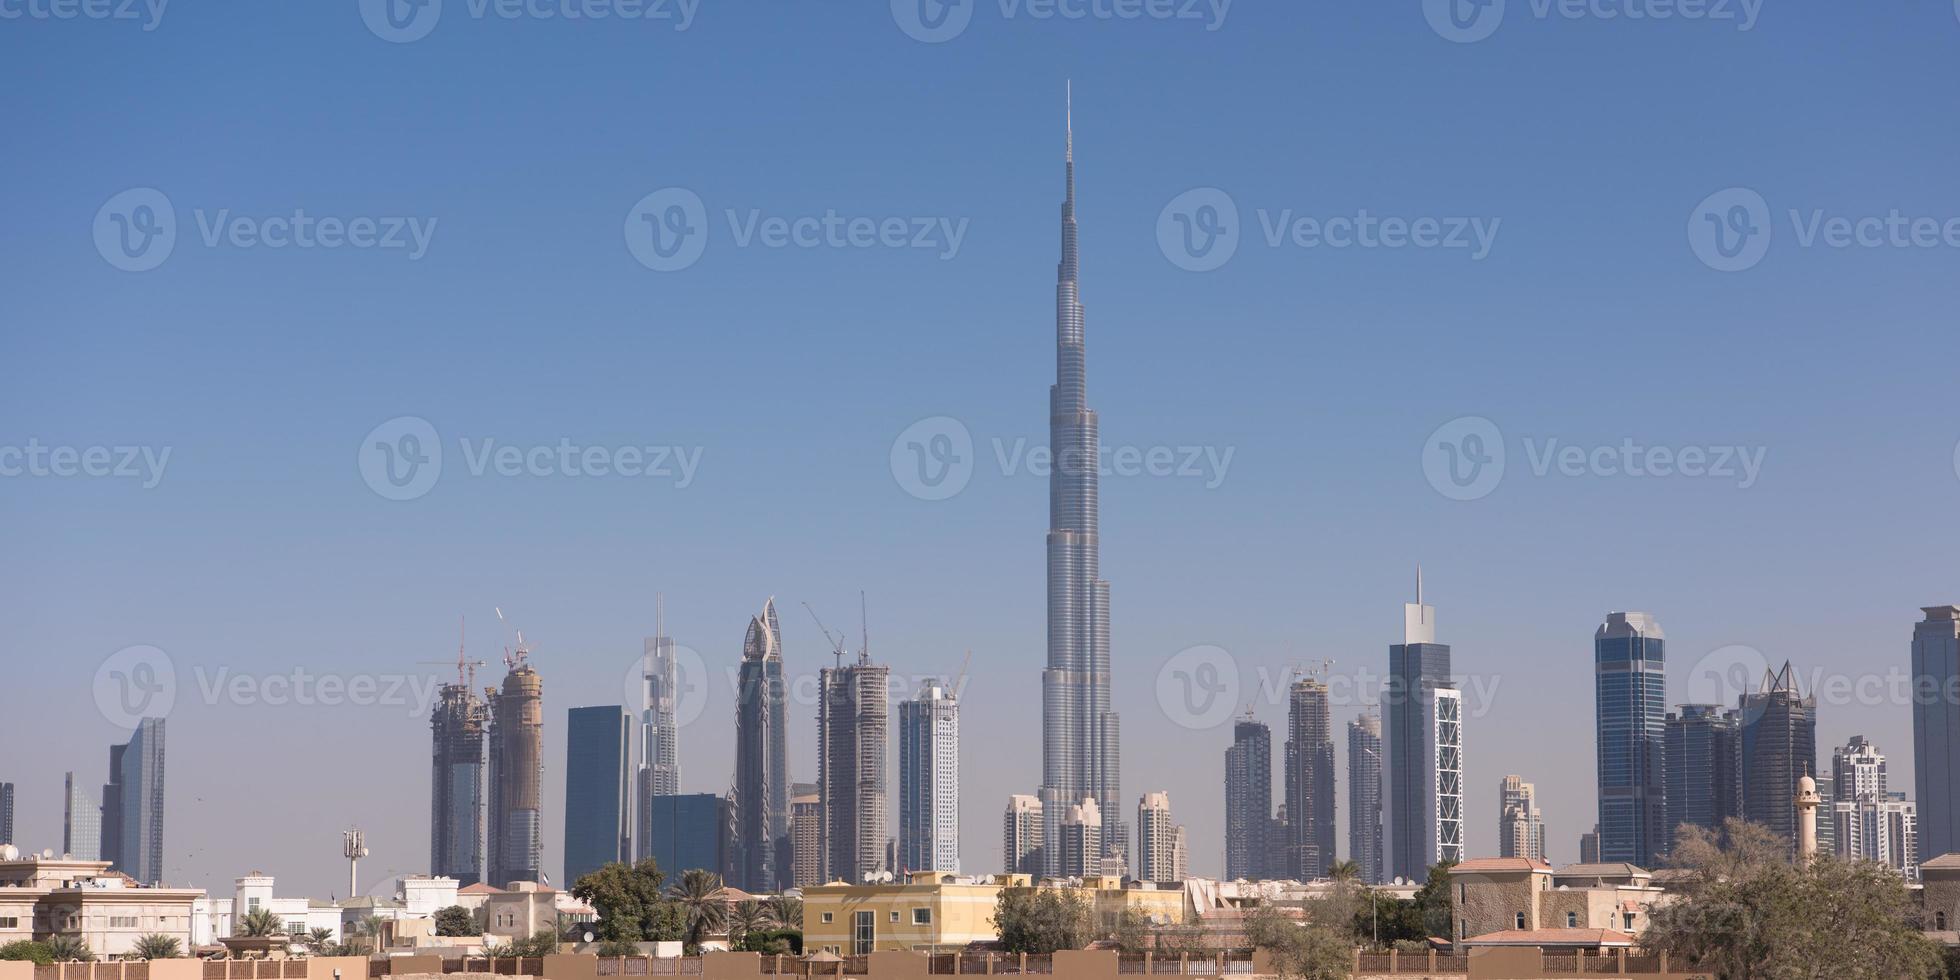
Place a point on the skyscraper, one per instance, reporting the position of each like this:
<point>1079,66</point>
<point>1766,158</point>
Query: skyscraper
<point>690,831</point>
<point>1157,839</point>
<point>1779,747</point>
<point>456,802</point>
<point>1630,698</point>
<point>598,789</point>
<point>1180,854</point>
<point>1080,734</point>
<point>853,726</point>
<point>1249,801</point>
<point>1365,797</point>
<point>81,821</point>
<point>1309,781</point>
<point>6,813</point>
<point>517,775</point>
<point>659,766</point>
<point>761,756</point>
<point>1871,822</point>
<point>1589,846</point>
<point>1936,729</point>
<point>1423,712</point>
<point>1704,768</point>
<point>137,775</point>
<point>1081,840</point>
<point>929,780</point>
<point>805,835</point>
<point>112,810</point>
<point>1022,830</point>
<point>1520,826</point>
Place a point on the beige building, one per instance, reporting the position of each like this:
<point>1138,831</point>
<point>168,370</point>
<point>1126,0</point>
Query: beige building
<point>44,897</point>
<point>937,910</point>
<point>1514,894</point>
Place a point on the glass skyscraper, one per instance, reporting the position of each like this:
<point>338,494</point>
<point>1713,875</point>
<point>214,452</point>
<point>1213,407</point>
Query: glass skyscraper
<point>1779,747</point>
<point>1310,803</point>
<point>136,775</point>
<point>1936,729</point>
<point>1630,698</point>
<point>1704,768</point>
<point>1249,802</point>
<point>761,795</point>
<point>81,822</point>
<point>929,780</point>
<point>1423,715</point>
<point>598,800</point>
<point>1365,797</point>
<point>689,831</point>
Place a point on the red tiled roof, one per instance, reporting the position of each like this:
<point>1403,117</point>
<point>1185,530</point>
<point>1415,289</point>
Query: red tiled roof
<point>1487,865</point>
<point>479,889</point>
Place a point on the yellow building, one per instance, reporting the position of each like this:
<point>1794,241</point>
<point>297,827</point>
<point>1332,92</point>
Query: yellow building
<point>935,910</point>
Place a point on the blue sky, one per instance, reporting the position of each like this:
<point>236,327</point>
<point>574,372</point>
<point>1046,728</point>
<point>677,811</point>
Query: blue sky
<point>792,370</point>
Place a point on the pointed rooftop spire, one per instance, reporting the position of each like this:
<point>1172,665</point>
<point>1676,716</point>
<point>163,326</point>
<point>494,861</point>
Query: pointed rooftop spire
<point>1068,116</point>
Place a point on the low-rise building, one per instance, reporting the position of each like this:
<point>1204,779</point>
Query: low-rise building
<point>938,910</point>
<point>1490,896</point>
<point>42,897</point>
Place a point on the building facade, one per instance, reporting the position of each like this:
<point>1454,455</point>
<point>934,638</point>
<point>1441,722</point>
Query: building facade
<point>598,789</point>
<point>1249,802</point>
<point>1936,729</point>
<point>659,772</point>
<point>1023,832</point>
<point>6,813</point>
<point>1158,839</point>
<point>805,835</point>
<point>1868,820</point>
<point>690,831</point>
<point>46,898</point>
<point>1779,747</point>
<point>1309,781</point>
<point>1704,768</point>
<point>137,776</point>
<point>929,780</point>
<point>853,731</point>
<point>1081,847</point>
<point>761,756</point>
<point>458,723</point>
<point>516,742</point>
<point>1520,825</point>
<point>1365,797</point>
<point>1423,714</point>
<point>81,821</point>
<point>1630,701</point>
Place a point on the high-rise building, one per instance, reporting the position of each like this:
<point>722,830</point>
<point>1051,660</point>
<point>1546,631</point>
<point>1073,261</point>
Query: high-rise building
<point>1520,825</point>
<point>1869,821</point>
<point>81,821</point>
<point>1249,801</point>
<point>1936,729</point>
<point>1157,839</point>
<point>1365,797</point>
<point>761,757</point>
<point>1080,733</point>
<point>458,724</point>
<point>1826,827</point>
<point>659,771</point>
<point>1589,846</point>
<point>690,831</point>
<point>929,780</point>
<point>6,813</point>
<point>1779,747</point>
<point>1309,781</point>
<point>1022,834</point>
<point>806,835</point>
<point>517,775</point>
<point>598,789</point>
<point>1081,840</point>
<point>112,810</point>
<point>136,775</point>
<point>1180,854</point>
<point>1630,699</point>
<point>853,729</point>
<point>1423,713</point>
<point>1704,768</point>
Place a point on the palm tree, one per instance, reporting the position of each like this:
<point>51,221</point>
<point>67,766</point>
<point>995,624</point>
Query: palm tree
<point>260,923</point>
<point>747,916</point>
<point>701,897</point>
<point>371,927</point>
<point>787,910</point>
<point>318,940</point>
<point>1344,872</point>
<point>70,949</point>
<point>157,946</point>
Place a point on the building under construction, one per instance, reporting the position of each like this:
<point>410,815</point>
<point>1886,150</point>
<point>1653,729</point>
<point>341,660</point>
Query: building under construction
<point>516,774</point>
<point>853,727</point>
<point>456,783</point>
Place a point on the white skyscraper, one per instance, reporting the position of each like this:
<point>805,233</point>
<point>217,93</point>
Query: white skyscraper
<point>81,822</point>
<point>929,780</point>
<point>1520,826</point>
<point>1081,833</point>
<point>1422,712</point>
<point>1157,839</point>
<point>1022,834</point>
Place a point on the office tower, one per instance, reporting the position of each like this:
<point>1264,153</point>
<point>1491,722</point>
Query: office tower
<point>1365,797</point>
<point>1826,827</point>
<point>1180,854</point>
<point>805,835</point>
<point>1022,836</point>
<point>112,810</point>
<point>136,780</point>
<point>1081,837</point>
<point>1310,803</point>
<point>6,813</point>
<point>853,726</point>
<point>761,756</point>
<point>1936,729</point>
<point>1868,820</point>
<point>1589,846</point>
<point>1520,825</point>
<point>1423,712</point>
<point>1249,801</point>
<point>929,780</point>
<point>598,789</point>
<point>659,771</point>
<point>1779,747</point>
<point>517,775</point>
<point>689,831</point>
<point>1704,768</point>
<point>1156,838</point>
<point>1081,756</point>
<point>458,723</point>
<point>81,821</point>
<point>1630,698</point>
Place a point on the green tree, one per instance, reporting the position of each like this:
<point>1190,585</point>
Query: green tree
<point>1344,872</point>
<point>259,923</point>
<point>26,950</point>
<point>1747,911</point>
<point>157,946</point>
<point>1043,920</point>
<point>630,903</point>
<point>771,942</point>
<point>455,920</point>
<point>788,912</point>
<point>745,917</point>
<point>1307,951</point>
<point>703,900</point>
<point>70,949</point>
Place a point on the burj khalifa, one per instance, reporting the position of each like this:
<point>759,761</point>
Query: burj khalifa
<point>1080,743</point>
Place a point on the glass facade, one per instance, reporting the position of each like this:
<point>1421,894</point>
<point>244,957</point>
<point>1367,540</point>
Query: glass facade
<point>688,831</point>
<point>598,800</point>
<point>1630,698</point>
<point>1704,768</point>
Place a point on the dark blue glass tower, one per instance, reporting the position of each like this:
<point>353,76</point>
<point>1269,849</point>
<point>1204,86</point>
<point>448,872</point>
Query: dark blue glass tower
<point>1630,695</point>
<point>598,766</point>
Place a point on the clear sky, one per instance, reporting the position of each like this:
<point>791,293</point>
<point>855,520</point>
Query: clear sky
<point>526,319</point>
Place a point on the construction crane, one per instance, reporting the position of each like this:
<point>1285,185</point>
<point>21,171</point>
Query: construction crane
<point>513,659</point>
<point>465,668</point>
<point>836,643</point>
<point>1316,669</point>
<point>959,683</point>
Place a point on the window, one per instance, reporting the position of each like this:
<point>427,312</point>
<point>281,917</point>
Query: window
<point>1463,928</point>
<point>9,922</point>
<point>922,917</point>
<point>1572,920</point>
<point>827,917</point>
<point>1520,920</point>
<point>894,915</point>
<point>1463,893</point>
<point>1939,921</point>
<point>1629,920</point>
<point>864,935</point>
<point>122,922</point>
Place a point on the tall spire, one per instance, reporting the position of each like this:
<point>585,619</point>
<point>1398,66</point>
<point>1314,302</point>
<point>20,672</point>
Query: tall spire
<point>1068,117</point>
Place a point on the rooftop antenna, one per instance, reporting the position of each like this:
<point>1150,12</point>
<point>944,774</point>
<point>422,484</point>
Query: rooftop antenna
<point>864,626</point>
<point>1418,583</point>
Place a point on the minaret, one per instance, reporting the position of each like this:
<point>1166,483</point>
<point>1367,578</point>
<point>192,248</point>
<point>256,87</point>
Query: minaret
<point>1807,803</point>
<point>1080,733</point>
